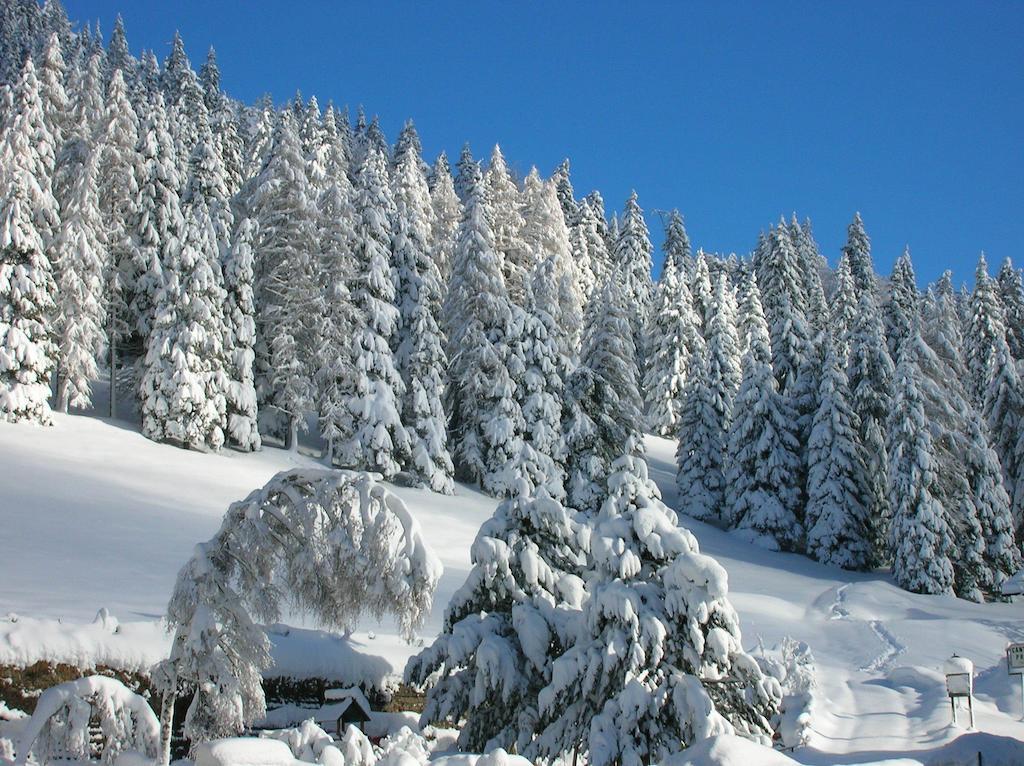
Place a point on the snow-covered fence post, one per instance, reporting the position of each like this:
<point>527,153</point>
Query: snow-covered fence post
<point>308,537</point>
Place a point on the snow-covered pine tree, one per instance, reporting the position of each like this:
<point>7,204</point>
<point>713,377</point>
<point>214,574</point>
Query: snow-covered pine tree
<point>590,227</point>
<point>447,212</point>
<point>632,258</point>
<point>184,381</point>
<point>545,238</point>
<point>836,520</point>
<point>335,268</point>
<point>843,309</point>
<point>506,624</point>
<point>379,441</point>
<point>240,315</point>
<point>987,325</point>
<point>119,56</point>
<point>503,206</point>
<point>811,264</point>
<point>1004,416</point>
<point>486,423</point>
<point>56,106</point>
<point>602,404</point>
<point>920,537</point>
<point>904,306</point>
<point>119,170</point>
<point>420,356</point>
<point>761,491</point>
<point>672,336</point>
<point>714,379</point>
<point>564,191</point>
<point>185,100</point>
<point>80,262</point>
<point>858,251</point>
<point>678,254</point>
<point>540,391</point>
<point>778,275</point>
<point>467,172</point>
<point>1011,294</point>
<point>28,217</point>
<point>871,374</point>
<point>160,217</point>
<point>286,215</point>
<point>657,662</point>
<point>700,289</point>
<point>226,136</point>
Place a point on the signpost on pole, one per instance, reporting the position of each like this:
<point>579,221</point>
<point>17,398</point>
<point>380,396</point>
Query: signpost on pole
<point>960,683</point>
<point>1015,666</point>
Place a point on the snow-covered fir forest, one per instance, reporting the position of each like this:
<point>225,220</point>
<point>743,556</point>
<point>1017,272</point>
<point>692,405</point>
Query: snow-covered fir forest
<point>235,274</point>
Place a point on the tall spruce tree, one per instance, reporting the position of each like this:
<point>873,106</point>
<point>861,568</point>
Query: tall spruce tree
<point>28,218</point>
<point>242,430</point>
<point>761,491</point>
<point>632,258</point>
<point>858,251</point>
<point>380,441</point>
<point>836,519</point>
<point>503,206</point>
<point>987,325</point>
<point>1011,293</point>
<point>421,359</point>
<point>1004,416</point>
<point>920,537</point>
<point>903,309</point>
<point>486,421</point>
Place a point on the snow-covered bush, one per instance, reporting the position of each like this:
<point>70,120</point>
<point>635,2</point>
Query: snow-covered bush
<point>792,665</point>
<point>334,544</point>
<point>61,725</point>
<point>308,742</point>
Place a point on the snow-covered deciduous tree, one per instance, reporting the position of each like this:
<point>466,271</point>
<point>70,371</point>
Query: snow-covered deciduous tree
<point>80,261</point>
<point>761,474</point>
<point>838,532</point>
<point>61,725</point>
<point>506,624</point>
<point>920,537</point>
<point>379,440</point>
<point>308,538</point>
<point>486,420</point>
<point>28,217</point>
<point>656,663</point>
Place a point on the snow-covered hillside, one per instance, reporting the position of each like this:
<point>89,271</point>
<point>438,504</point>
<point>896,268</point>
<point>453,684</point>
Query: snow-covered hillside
<point>95,516</point>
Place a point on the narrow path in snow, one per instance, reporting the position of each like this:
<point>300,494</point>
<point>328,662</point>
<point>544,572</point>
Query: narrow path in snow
<point>893,648</point>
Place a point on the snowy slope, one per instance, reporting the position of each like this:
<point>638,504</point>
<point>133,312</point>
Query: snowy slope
<point>93,515</point>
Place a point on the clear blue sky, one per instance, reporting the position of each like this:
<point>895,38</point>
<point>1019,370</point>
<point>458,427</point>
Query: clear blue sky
<point>911,112</point>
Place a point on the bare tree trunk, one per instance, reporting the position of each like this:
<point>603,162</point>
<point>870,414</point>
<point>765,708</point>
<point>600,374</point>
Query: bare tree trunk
<point>166,727</point>
<point>293,433</point>
<point>113,375</point>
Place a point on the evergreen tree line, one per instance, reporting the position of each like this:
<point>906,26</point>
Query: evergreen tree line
<point>247,270</point>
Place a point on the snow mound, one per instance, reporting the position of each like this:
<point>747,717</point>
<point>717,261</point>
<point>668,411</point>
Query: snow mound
<point>729,750</point>
<point>245,751</point>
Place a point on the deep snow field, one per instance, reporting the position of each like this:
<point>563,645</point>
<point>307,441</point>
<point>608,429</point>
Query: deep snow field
<point>93,515</point>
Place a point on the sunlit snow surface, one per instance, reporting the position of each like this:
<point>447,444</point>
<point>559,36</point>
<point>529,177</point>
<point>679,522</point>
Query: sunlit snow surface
<point>93,515</point>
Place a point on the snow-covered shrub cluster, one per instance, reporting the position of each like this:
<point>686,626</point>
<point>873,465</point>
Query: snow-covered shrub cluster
<point>306,540</point>
<point>61,726</point>
<point>792,665</point>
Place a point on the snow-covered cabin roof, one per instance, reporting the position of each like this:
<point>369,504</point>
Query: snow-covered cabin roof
<point>344,699</point>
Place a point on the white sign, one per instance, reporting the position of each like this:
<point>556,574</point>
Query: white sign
<point>1015,658</point>
<point>958,685</point>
